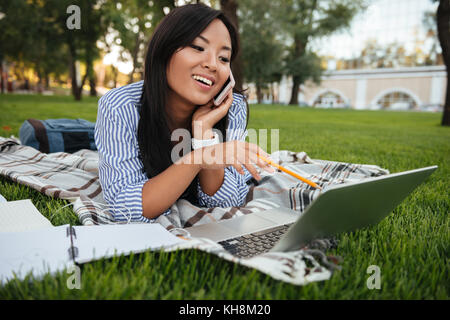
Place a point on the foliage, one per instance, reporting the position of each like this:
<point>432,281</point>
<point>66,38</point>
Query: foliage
<point>261,50</point>
<point>277,40</point>
<point>35,32</point>
<point>131,23</point>
<point>32,37</point>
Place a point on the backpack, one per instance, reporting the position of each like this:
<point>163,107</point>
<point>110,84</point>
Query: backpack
<point>58,135</point>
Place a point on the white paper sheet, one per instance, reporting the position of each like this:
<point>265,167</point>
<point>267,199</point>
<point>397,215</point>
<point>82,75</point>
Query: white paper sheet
<point>21,215</point>
<point>96,242</point>
<point>38,251</point>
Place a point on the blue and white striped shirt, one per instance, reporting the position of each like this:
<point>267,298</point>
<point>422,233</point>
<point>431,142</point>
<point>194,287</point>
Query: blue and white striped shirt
<point>121,169</point>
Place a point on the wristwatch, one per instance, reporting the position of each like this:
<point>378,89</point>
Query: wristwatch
<point>197,144</point>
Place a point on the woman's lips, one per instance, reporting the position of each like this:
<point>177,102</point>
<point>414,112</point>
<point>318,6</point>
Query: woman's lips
<point>202,85</point>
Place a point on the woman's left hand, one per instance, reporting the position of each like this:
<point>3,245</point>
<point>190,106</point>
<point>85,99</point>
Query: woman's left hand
<point>207,115</point>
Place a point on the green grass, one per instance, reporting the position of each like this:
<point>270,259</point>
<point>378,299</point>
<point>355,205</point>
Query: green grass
<point>411,246</point>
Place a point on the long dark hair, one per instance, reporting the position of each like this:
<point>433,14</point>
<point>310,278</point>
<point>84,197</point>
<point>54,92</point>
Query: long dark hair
<point>177,30</point>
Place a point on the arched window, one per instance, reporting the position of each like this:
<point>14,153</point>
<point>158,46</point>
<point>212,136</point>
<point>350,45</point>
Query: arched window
<point>397,100</point>
<point>329,99</point>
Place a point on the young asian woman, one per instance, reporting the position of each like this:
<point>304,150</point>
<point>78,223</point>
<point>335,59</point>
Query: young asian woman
<point>187,63</point>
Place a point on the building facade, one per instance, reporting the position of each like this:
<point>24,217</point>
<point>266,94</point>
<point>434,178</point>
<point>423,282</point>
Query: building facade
<point>416,88</point>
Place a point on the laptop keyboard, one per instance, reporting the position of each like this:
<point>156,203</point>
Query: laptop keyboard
<point>253,244</point>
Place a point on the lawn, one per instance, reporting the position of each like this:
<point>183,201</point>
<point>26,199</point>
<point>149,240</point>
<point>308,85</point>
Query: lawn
<point>410,246</point>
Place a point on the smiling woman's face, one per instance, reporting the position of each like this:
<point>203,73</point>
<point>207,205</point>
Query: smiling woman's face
<point>196,73</point>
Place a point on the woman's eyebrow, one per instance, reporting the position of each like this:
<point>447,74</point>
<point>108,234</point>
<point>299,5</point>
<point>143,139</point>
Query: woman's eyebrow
<point>207,41</point>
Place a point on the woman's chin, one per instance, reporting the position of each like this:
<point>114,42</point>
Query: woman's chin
<point>201,101</point>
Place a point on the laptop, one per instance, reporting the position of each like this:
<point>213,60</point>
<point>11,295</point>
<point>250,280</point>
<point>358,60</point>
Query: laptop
<point>339,208</point>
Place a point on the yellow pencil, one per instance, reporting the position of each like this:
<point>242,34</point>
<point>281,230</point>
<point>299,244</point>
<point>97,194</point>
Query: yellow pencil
<point>312,184</point>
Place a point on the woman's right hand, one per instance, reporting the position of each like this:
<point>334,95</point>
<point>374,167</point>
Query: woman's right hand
<point>234,153</point>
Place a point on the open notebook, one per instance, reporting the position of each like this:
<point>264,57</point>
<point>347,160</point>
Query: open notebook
<point>53,249</point>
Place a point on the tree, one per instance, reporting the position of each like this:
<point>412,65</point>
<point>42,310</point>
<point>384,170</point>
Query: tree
<point>106,44</point>
<point>230,8</point>
<point>134,21</point>
<point>261,50</point>
<point>443,26</point>
<point>302,20</point>
<point>35,33</point>
<point>82,43</point>
<point>30,39</point>
<point>433,54</point>
<point>15,16</point>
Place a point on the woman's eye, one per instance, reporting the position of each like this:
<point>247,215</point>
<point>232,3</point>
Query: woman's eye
<point>196,47</point>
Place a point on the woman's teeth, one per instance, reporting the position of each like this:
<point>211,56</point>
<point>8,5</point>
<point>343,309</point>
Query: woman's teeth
<point>204,80</point>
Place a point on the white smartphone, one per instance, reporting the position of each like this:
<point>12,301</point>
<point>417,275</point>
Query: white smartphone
<point>229,84</point>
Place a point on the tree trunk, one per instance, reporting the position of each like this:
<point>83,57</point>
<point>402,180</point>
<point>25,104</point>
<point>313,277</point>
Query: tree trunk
<point>229,7</point>
<point>294,92</point>
<point>272,93</point>
<point>73,73</point>
<point>93,90</point>
<point>47,81</point>
<point>90,75</point>
<point>258,93</point>
<point>134,54</point>
<point>80,89</point>
<point>39,86</point>
<point>299,48</point>
<point>2,83</point>
<point>443,26</point>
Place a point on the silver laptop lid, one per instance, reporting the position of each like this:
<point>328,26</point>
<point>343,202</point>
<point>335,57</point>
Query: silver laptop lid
<point>348,207</point>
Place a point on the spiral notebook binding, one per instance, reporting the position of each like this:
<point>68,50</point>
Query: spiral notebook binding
<point>70,231</point>
<point>73,251</point>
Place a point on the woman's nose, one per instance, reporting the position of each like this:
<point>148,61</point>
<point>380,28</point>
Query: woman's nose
<point>210,62</point>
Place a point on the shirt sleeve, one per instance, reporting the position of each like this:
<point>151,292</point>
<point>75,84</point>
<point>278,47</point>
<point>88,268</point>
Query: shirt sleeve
<point>234,188</point>
<point>120,168</point>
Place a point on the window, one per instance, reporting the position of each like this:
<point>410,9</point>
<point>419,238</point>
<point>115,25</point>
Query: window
<point>329,100</point>
<point>397,101</point>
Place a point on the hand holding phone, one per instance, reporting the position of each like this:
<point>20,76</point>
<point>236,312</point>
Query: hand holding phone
<point>206,116</point>
<point>229,85</point>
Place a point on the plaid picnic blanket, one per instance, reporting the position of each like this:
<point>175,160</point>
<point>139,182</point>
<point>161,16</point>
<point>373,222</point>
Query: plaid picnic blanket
<point>75,177</point>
